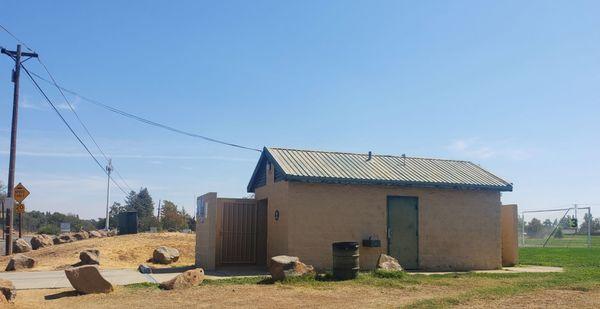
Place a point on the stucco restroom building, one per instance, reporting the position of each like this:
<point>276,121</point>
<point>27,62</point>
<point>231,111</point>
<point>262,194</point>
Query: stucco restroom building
<point>429,213</point>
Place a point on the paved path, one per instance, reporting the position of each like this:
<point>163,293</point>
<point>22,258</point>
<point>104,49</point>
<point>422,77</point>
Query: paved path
<point>57,279</point>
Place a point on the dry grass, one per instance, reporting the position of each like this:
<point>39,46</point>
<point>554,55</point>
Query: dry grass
<point>127,251</point>
<point>284,296</point>
<point>238,296</point>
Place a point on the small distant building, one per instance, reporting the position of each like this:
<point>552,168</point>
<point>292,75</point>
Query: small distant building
<point>429,213</point>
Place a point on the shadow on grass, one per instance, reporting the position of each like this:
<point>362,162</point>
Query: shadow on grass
<point>61,295</point>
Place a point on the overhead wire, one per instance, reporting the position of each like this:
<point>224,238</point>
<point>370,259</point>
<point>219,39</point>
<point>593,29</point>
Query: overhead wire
<point>81,122</point>
<point>147,121</point>
<point>70,128</point>
<point>68,103</point>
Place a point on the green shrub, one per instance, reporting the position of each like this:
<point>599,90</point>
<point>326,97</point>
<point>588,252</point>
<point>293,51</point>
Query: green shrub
<point>49,229</point>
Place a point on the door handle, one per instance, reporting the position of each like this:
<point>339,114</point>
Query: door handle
<point>389,233</point>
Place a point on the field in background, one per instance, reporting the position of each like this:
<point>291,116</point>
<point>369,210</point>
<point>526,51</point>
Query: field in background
<point>126,251</point>
<point>578,287</point>
<point>568,241</point>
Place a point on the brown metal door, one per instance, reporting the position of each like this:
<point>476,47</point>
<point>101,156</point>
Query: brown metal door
<point>238,243</point>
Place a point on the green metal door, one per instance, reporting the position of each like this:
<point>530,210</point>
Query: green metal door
<point>403,230</point>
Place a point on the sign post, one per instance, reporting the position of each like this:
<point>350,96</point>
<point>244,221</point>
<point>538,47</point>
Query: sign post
<point>20,194</point>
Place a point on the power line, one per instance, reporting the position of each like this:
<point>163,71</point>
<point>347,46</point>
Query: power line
<point>126,114</point>
<point>16,38</point>
<point>147,121</point>
<point>68,103</point>
<point>81,121</point>
<point>70,128</point>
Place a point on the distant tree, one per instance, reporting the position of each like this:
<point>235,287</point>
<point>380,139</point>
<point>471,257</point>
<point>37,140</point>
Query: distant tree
<point>171,218</point>
<point>547,223</point>
<point>534,228</point>
<point>558,233</point>
<point>143,204</point>
<point>587,220</point>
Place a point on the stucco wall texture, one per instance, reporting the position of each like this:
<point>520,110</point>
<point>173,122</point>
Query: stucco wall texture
<point>510,235</point>
<point>458,229</point>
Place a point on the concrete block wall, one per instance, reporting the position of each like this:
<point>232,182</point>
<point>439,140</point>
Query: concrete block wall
<point>458,229</point>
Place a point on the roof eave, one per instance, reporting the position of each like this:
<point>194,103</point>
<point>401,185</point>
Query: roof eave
<point>433,185</point>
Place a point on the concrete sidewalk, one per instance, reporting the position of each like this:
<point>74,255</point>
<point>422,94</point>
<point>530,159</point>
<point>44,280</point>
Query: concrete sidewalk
<point>57,279</point>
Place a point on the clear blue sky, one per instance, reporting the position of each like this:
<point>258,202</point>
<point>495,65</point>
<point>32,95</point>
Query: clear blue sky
<point>511,85</point>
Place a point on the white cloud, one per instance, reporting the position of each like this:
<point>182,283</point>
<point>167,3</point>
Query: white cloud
<point>477,149</point>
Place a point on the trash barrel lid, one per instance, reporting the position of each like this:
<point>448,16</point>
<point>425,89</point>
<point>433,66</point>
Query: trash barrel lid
<point>345,245</point>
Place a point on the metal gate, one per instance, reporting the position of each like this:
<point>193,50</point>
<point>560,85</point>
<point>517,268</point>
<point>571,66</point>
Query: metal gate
<point>238,243</point>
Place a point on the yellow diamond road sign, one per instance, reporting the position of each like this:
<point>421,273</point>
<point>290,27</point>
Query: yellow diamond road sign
<point>20,193</point>
<point>20,208</point>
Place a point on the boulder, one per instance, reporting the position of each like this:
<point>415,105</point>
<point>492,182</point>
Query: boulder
<point>111,233</point>
<point>102,233</point>
<point>8,292</point>
<point>41,241</point>
<point>90,257</point>
<point>81,235</point>
<point>21,246</point>
<point>63,239</point>
<point>184,280</point>
<point>283,266</point>
<point>95,234</point>
<point>165,255</point>
<point>19,262</point>
<point>88,280</point>
<point>387,262</point>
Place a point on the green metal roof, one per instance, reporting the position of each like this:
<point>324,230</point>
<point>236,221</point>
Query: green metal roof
<point>357,168</point>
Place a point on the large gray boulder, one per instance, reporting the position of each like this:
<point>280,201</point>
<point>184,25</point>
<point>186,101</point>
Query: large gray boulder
<point>284,266</point>
<point>81,235</point>
<point>184,280</point>
<point>41,241</point>
<point>88,280</point>
<point>19,262</point>
<point>21,246</point>
<point>63,239</point>
<point>8,293</point>
<point>387,262</point>
<point>95,234</point>
<point>165,255</point>
<point>90,257</point>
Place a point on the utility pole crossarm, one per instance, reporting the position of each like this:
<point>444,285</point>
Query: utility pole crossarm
<point>13,53</point>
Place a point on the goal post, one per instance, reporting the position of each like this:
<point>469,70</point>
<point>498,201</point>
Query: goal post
<point>561,227</point>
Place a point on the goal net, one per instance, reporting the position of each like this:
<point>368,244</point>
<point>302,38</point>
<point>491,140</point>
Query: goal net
<point>565,227</point>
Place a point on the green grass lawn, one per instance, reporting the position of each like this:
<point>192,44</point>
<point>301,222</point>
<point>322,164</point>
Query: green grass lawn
<point>581,265</point>
<point>569,241</point>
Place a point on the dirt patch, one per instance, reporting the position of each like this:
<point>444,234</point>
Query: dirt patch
<point>269,296</point>
<point>127,251</point>
<point>545,299</point>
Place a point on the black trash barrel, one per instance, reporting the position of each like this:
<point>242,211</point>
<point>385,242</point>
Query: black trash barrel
<point>345,260</point>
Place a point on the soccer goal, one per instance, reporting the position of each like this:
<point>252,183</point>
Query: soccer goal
<point>564,227</point>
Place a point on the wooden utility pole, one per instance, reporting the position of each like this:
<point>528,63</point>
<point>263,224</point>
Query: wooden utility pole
<point>16,56</point>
